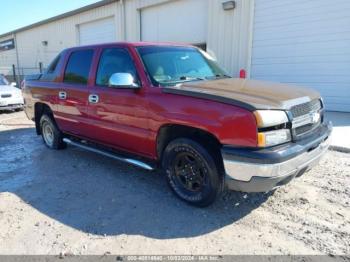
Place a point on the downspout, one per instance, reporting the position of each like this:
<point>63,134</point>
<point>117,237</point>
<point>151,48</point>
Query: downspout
<point>123,19</point>
<point>17,57</point>
<point>251,38</point>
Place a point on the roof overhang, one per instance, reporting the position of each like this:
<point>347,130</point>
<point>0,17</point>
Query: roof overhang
<point>62,16</point>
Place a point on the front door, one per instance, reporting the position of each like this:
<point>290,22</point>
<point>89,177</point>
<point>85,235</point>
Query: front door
<point>119,116</point>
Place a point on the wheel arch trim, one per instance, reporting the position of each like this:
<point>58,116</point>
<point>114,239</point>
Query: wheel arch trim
<point>39,109</point>
<point>165,135</point>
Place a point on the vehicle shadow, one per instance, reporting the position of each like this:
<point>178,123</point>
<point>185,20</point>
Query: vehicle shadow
<point>97,195</point>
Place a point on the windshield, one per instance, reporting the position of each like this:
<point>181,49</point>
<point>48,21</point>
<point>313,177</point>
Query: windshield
<point>174,65</point>
<point>3,81</point>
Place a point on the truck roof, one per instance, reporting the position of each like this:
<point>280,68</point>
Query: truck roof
<point>132,44</point>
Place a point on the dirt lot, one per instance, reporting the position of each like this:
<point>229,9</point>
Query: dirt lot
<point>77,202</point>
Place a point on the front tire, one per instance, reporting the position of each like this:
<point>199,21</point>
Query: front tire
<point>191,172</point>
<point>52,136</point>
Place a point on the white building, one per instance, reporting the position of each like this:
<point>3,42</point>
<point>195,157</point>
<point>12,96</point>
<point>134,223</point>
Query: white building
<point>303,42</point>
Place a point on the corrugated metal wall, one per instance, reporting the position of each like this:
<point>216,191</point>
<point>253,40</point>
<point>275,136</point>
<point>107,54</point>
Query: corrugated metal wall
<point>59,34</point>
<point>132,16</point>
<point>189,24</point>
<point>305,43</point>
<point>228,33</point>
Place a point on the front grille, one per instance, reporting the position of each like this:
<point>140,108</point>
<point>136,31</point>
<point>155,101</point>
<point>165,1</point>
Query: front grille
<point>304,117</point>
<point>303,129</point>
<point>306,108</point>
<point>6,95</point>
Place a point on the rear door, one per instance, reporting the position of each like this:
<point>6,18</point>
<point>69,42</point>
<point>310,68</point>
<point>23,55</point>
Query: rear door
<point>73,93</point>
<point>119,117</point>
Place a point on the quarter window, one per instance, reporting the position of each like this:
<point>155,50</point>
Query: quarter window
<point>114,60</point>
<point>78,67</point>
<point>53,65</point>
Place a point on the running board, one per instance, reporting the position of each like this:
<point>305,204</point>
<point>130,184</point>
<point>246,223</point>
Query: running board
<point>108,154</point>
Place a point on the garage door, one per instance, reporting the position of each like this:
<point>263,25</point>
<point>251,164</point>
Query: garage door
<point>96,32</point>
<point>178,21</point>
<point>305,43</point>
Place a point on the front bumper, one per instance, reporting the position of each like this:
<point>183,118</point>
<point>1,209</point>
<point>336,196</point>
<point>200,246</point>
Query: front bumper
<point>11,103</point>
<point>261,170</point>
<point>11,107</point>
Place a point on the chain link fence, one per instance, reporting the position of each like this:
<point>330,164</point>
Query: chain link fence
<point>17,74</point>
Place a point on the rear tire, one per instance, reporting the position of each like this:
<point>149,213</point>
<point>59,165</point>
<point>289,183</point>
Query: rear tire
<point>191,172</point>
<point>52,136</point>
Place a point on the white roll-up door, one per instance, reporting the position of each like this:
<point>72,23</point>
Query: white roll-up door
<point>178,21</point>
<point>96,32</point>
<point>305,43</point>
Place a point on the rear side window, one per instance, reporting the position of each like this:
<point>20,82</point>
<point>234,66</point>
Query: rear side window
<point>52,71</point>
<point>78,67</point>
<point>53,65</point>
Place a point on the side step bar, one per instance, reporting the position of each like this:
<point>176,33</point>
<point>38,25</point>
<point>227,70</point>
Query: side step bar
<point>108,154</point>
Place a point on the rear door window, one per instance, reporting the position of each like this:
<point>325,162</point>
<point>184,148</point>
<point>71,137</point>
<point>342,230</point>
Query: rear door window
<point>78,67</point>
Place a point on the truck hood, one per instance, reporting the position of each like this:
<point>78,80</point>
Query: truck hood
<point>251,94</point>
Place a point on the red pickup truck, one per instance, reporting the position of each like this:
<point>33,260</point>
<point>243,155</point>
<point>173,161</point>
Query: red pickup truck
<point>172,107</point>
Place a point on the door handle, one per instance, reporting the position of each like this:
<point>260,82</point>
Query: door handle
<point>62,95</point>
<point>93,99</point>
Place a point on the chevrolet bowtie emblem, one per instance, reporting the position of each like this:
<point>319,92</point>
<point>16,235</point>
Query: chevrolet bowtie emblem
<point>315,117</point>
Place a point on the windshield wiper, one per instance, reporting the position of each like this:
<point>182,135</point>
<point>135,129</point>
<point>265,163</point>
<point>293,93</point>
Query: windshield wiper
<point>224,76</point>
<point>218,76</point>
<point>183,79</point>
<point>190,78</point>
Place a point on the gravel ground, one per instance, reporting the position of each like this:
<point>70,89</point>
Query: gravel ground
<point>76,202</point>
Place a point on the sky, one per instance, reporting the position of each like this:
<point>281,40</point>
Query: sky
<point>19,13</point>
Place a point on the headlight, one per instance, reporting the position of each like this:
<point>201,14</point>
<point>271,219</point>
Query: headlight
<point>268,118</point>
<point>271,118</point>
<point>272,138</point>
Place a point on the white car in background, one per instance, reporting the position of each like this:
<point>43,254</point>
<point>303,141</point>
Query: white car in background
<point>10,96</point>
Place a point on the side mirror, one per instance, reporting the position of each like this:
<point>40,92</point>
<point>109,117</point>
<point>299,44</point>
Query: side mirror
<point>14,84</point>
<point>122,80</point>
